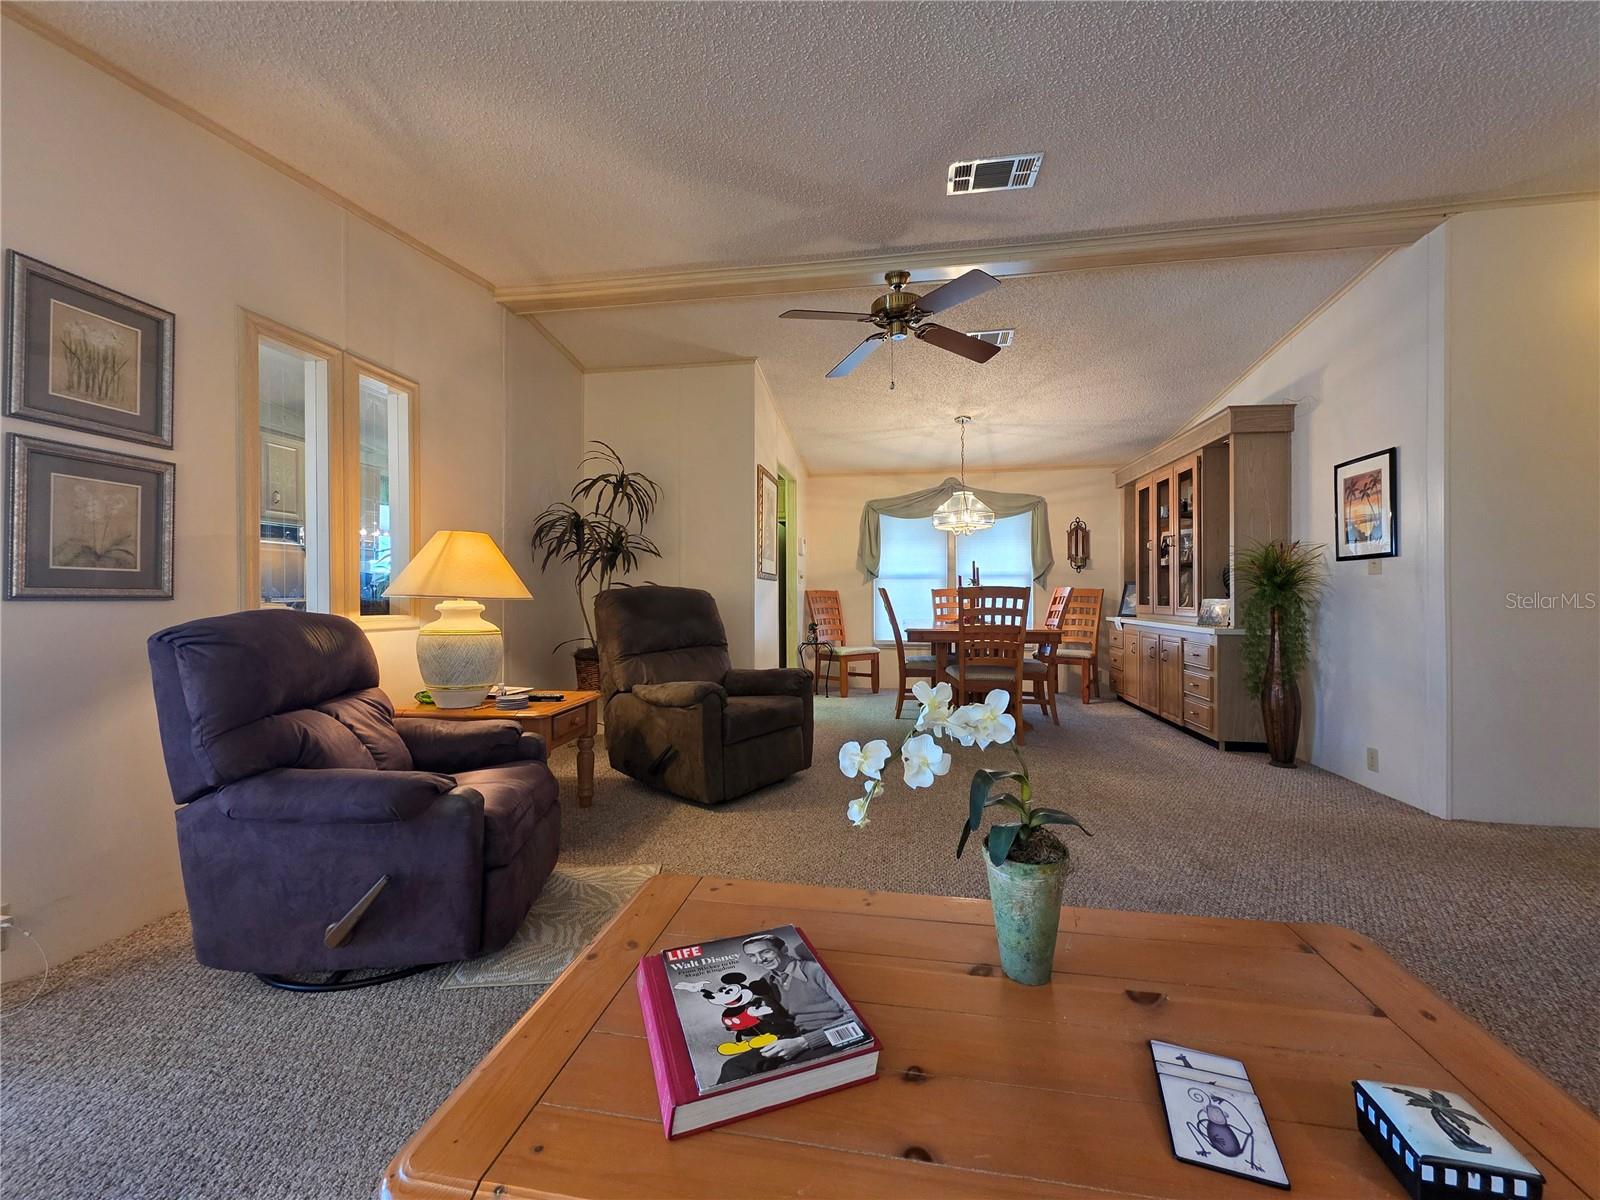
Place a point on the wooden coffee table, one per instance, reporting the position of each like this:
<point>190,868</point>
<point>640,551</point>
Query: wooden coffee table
<point>573,718</point>
<point>986,1088</point>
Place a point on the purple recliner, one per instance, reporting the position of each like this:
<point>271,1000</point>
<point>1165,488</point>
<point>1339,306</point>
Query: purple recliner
<point>300,791</point>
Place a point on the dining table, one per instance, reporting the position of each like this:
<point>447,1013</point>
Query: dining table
<point>942,639</point>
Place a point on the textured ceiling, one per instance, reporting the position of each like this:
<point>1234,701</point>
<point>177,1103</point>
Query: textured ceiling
<point>1106,363</point>
<point>539,141</point>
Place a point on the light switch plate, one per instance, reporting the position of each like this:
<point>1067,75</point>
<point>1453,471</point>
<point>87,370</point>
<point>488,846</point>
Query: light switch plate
<point>1375,566</point>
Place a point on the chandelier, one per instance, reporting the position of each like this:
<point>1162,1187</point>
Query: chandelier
<point>963,512</point>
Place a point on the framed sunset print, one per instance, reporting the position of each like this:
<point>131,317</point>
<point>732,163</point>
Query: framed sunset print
<point>86,524</point>
<point>85,357</point>
<point>1366,507</point>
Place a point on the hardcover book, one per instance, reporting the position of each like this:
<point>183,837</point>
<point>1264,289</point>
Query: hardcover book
<point>746,1024</point>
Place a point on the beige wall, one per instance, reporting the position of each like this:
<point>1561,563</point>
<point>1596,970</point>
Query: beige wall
<point>544,441</point>
<point>1476,352</point>
<point>692,430</point>
<point>1364,375</point>
<point>775,450</point>
<point>833,522</point>
<point>147,203</point>
<point>1524,513</point>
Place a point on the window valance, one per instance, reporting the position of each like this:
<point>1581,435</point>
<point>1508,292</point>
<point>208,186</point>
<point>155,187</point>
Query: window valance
<point>922,504</point>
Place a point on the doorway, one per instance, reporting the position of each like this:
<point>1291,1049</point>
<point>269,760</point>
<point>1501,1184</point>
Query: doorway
<point>788,569</point>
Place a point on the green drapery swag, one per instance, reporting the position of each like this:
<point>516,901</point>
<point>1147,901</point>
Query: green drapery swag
<point>923,504</point>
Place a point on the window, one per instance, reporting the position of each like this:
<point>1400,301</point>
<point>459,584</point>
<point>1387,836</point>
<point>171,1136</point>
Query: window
<point>333,442</point>
<point>381,432</point>
<point>914,558</point>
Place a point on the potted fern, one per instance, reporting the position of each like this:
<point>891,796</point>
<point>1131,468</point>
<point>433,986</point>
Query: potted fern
<point>1282,583</point>
<point>599,531</point>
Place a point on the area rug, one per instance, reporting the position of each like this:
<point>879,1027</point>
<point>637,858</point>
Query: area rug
<point>574,906</point>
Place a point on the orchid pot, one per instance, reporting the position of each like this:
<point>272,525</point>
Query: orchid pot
<point>1026,862</point>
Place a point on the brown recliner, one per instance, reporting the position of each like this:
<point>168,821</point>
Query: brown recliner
<point>678,715</point>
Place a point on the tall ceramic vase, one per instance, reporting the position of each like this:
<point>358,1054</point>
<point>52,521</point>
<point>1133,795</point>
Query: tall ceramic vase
<point>1026,898</point>
<point>1280,701</point>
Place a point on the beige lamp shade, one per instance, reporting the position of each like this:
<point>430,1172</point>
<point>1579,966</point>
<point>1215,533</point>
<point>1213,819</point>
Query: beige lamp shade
<point>459,562</point>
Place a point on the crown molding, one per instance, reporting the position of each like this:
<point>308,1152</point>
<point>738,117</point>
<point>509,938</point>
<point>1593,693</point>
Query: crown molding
<point>1388,229</point>
<point>27,20</point>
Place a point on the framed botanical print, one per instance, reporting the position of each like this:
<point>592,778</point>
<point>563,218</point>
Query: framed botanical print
<point>86,524</point>
<point>86,357</point>
<point>766,524</point>
<point>1366,507</point>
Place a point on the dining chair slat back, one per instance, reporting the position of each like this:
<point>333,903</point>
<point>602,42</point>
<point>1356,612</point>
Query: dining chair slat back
<point>824,610</point>
<point>920,666</point>
<point>947,606</point>
<point>1080,636</point>
<point>989,646</point>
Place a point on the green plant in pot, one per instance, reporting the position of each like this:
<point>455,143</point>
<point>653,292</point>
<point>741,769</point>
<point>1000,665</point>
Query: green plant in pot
<point>1027,862</point>
<point>600,533</point>
<point>1282,583</point>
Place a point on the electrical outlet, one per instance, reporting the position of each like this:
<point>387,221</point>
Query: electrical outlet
<point>1372,758</point>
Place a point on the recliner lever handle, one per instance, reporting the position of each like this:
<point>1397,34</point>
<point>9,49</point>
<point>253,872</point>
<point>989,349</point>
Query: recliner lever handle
<point>339,932</point>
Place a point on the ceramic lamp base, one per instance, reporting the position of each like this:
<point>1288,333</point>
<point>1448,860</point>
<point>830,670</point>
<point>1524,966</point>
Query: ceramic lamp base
<point>459,655</point>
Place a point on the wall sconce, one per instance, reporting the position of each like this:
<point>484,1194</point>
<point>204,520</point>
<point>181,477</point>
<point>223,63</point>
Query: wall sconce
<point>1078,544</point>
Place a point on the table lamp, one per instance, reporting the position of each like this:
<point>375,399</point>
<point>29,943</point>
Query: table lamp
<point>459,654</point>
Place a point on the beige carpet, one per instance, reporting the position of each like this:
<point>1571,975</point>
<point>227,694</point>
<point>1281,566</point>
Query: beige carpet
<point>141,1074</point>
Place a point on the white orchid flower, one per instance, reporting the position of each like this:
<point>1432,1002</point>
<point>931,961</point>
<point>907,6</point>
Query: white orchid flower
<point>923,759</point>
<point>857,810</point>
<point>856,759</point>
<point>935,701</point>
<point>987,721</point>
<point>959,726</point>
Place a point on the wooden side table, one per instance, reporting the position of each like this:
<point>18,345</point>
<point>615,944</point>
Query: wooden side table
<point>572,718</point>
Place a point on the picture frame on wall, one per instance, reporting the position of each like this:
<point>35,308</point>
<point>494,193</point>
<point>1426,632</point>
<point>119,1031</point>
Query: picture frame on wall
<point>1366,506</point>
<point>86,357</point>
<point>86,524</point>
<point>766,523</point>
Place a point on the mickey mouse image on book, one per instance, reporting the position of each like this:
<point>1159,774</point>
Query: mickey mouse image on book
<point>749,1012</point>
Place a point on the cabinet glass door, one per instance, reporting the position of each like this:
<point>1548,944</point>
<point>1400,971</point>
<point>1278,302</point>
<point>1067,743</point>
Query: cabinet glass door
<point>1143,558</point>
<point>1186,547</point>
<point>1163,552</point>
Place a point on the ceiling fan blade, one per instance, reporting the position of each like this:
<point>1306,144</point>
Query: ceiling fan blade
<point>962,287</point>
<point>976,349</point>
<point>821,314</point>
<point>857,356</point>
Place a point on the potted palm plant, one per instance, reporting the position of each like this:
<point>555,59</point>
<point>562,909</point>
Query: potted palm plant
<point>1282,583</point>
<point>1027,863</point>
<point>599,531</point>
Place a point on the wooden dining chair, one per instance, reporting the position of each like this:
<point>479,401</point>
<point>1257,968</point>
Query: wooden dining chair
<point>989,645</point>
<point>912,666</point>
<point>947,606</point>
<point>825,612</point>
<point>1080,637</point>
<point>1041,670</point>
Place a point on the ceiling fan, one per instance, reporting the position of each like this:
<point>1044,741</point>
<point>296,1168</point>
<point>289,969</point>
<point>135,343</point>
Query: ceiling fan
<point>901,314</point>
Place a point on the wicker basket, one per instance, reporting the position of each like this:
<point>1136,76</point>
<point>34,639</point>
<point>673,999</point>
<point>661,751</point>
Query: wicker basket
<point>588,667</point>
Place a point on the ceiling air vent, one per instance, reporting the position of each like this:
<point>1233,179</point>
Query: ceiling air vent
<point>995,337</point>
<point>994,174</point>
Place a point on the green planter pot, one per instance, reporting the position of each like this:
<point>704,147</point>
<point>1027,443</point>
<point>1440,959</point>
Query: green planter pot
<point>1026,898</point>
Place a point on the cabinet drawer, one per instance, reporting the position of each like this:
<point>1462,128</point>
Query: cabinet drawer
<point>1198,685</point>
<point>1199,654</point>
<point>1197,714</point>
<point>569,724</point>
<point>1116,680</point>
<point>1116,638</point>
